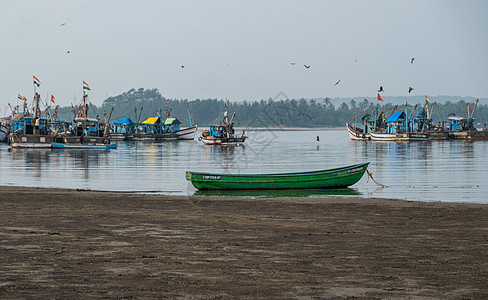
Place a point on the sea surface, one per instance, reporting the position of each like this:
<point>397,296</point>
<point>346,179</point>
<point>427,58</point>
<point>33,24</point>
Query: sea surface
<point>451,171</point>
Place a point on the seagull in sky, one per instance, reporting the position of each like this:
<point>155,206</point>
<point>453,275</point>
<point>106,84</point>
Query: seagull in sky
<point>306,115</point>
<point>381,89</point>
<point>292,63</point>
<point>410,89</point>
<point>67,51</point>
<point>337,82</point>
<point>182,66</point>
<point>411,61</point>
<point>62,24</point>
<point>308,67</point>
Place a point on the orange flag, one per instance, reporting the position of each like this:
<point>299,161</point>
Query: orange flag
<point>52,98</point>
<point>379,98</point>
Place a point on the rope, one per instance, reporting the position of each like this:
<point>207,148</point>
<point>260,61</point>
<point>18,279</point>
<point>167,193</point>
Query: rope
<point>370,175</point>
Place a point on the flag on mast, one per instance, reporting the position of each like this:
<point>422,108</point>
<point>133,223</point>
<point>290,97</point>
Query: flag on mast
<point>36,81</point>
<point>20,97</point>
<point>85,86</point>
<point>52,98</point>
<point>379,98</point>
<point>427,99</point>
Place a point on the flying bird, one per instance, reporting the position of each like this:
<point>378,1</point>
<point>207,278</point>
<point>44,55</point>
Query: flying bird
<point>410,89</point>
<point>306,115</point>
<point>292,63</point>
<point>182,66</point>
<point>337,82</point>
<point>62,24</point>
<point>306,66</point>
<point>356,59</point>
<point>67,51</point>
<point>411,61</point>
<point>381,89</point>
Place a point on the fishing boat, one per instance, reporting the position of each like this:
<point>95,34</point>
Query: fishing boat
<point>87,133</point>
<point>146,130</point>
<point>358,133</point>
<point>222,134</point>
<point>421,127</point>
<point>31,131</point>
<point>187,133</point>
<point>395,129</point>
<point>462,128</point>
<point>170,130</point>
<point>170,127</point>
<point>323,179</point>
<point>361,132</point>
<point>123,130</point>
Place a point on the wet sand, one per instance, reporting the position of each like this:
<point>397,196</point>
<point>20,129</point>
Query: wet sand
<point>81,244</point>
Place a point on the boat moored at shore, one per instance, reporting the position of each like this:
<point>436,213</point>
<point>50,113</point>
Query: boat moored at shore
<point>322,179</point>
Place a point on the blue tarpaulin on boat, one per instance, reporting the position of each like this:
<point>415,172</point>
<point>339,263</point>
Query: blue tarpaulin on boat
<point>124,121</point>
<point>395,117</point>
<point>421,113</point>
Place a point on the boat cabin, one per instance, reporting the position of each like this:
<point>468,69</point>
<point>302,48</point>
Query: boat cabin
<point>171,125</point>
<point>460,123</point>
<point>92,127</point>
<point>150,125</point>
<point>28,125</point>
<point>419,122</point>
<point>396,123</point>
<point>124,125</point>
<point>221,131</point>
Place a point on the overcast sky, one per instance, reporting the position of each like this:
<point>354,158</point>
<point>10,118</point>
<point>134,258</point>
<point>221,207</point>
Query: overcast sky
<point>243,50</point>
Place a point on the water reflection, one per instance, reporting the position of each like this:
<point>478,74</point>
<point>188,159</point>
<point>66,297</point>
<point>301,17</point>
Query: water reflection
<point>82,161</point>
<point>284,193</point>
<point>226,159</point>
<point>31,160</point>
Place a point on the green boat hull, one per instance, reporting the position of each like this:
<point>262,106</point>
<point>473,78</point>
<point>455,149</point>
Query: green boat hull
<point>323,179</point>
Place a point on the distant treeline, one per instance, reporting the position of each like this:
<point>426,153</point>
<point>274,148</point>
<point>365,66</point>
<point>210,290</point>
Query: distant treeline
<point>286,113</point>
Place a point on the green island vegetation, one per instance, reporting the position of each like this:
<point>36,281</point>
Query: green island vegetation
<point>309,113</point>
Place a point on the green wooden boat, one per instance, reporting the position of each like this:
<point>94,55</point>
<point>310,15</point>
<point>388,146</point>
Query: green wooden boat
<point>323,179</point>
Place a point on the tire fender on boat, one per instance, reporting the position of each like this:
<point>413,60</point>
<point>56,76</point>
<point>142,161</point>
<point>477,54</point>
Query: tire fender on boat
<point>199,138</point>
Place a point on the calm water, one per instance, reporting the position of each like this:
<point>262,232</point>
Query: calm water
<point>426,171</point>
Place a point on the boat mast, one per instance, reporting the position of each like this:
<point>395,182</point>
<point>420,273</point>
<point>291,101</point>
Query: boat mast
<point>36,104</point>
<point>84,112</point>
<point>474,107</point>
<point>189,115</point>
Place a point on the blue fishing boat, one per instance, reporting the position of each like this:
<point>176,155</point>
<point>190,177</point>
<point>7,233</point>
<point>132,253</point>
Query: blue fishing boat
<point>86,133</point>
<point>123,130</point>
<point>463,128</point>
<point>31,131</point>
<point>222,134</point>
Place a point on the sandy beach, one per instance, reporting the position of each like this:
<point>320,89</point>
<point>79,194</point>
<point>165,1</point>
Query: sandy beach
<point>84,244</point>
